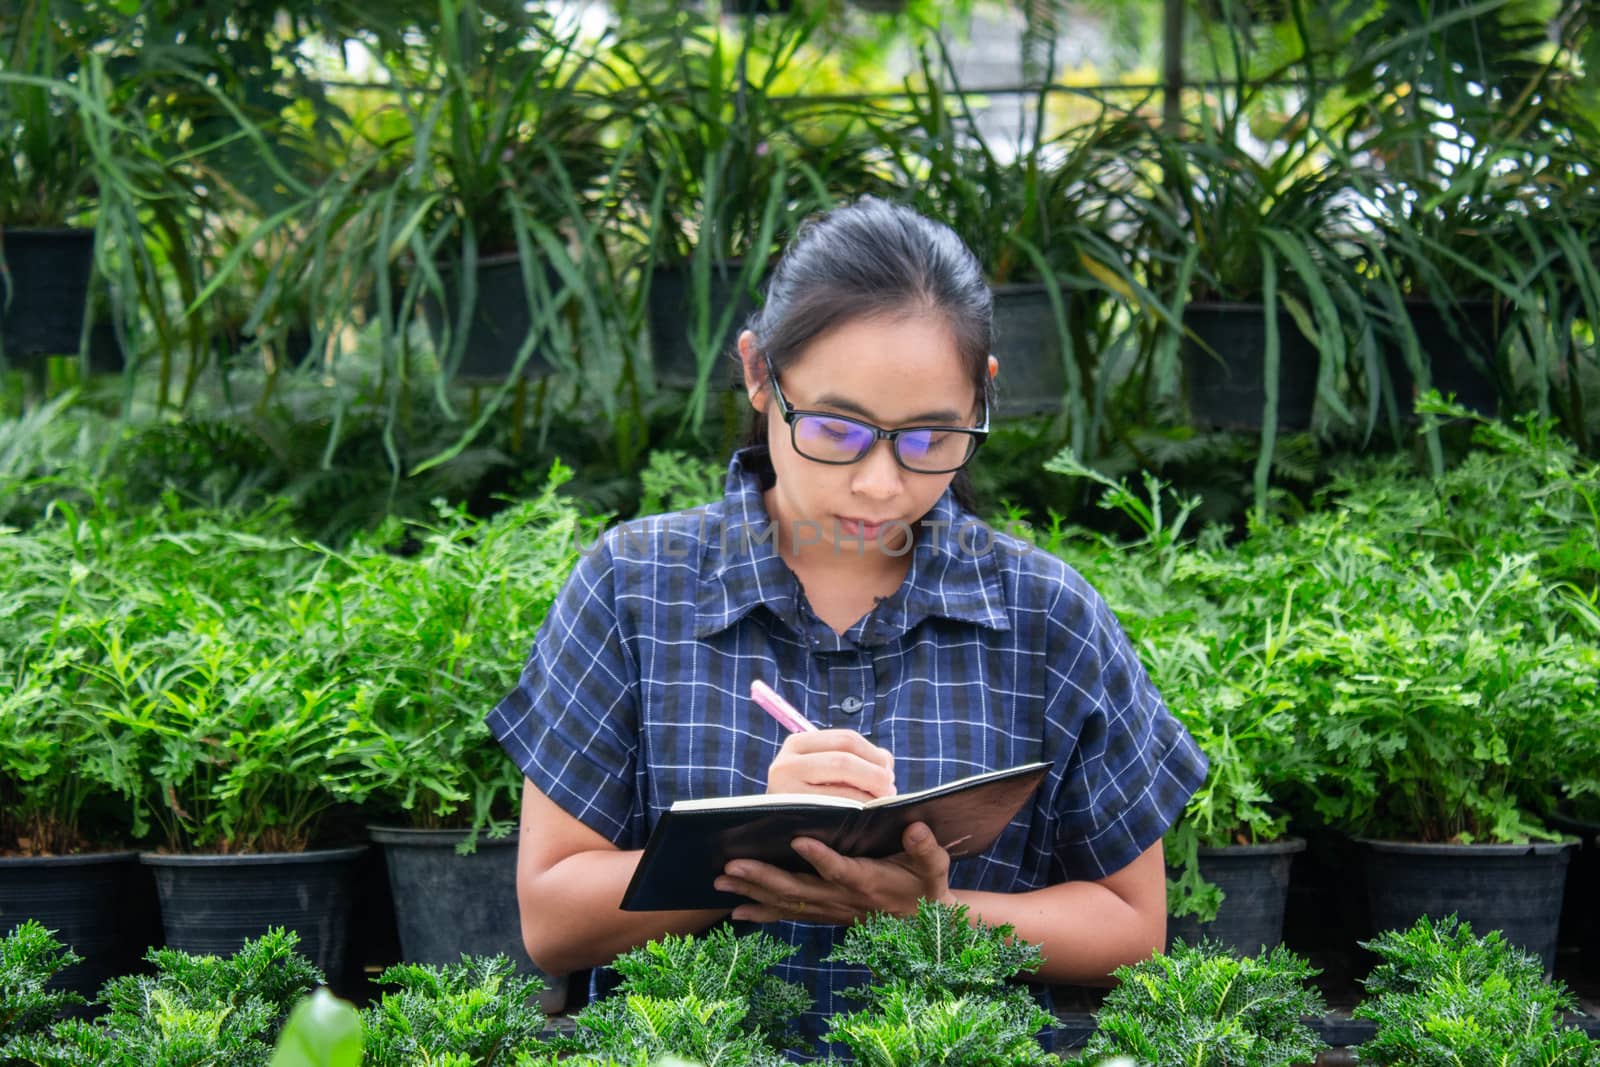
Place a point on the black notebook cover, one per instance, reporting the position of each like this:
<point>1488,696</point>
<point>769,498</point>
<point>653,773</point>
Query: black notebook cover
<point>694,840</point>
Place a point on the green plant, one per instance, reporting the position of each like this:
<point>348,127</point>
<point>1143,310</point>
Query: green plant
<point>29,958</point>
<point>1436,703</point>
<point>909,1027</point>
<point>1441,995</point>
<point>673,481</point>
<point>47,164</point>
<point>191,1010</point>
<point>683,978</point>
<point>724,164</point>
<point>322,1031</point>
<point>493,147</point>
<point>431,636</point>
<point>222,696</point>
<point>941,991</point>
<point>1200,1006</point>
<point>476,1013</point>
<point>1049,211</point>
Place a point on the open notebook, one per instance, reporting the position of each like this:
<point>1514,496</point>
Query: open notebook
<point>695,839</point>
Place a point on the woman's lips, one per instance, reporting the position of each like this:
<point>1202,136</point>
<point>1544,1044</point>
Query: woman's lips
<point>861,528</point>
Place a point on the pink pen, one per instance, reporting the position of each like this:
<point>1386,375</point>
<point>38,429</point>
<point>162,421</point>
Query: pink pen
<point>779,708</point>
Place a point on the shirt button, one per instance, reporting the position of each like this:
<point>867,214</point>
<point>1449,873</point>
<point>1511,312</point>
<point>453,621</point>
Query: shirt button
<point>850,705</point>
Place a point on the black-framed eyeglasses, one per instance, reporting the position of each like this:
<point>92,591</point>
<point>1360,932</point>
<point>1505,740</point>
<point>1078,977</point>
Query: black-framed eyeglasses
<point>839,439</point>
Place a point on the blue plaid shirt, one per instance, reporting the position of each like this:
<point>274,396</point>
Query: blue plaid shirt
<point>992,653</point>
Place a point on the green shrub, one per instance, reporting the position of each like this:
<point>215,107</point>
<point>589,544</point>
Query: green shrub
<point>941,992</point>
<point>709,998</point>
<point>29,958</point>
<point>478,1011</point>
<point>1201,1006</point>
<point>193,1010</point>
<point>1441,995</point>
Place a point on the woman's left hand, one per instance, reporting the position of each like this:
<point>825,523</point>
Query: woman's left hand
<point>843,889</point>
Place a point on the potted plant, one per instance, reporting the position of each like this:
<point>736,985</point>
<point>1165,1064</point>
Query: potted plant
<point>1444,706</point>
<point>437,633</point>
<point>48,173</point>
<point>1221,663</point>
<point>468,203</point>
<point>226,695</point>
<point>720,171</point>
<point>1045,225</point>
<point>1455,258</point>
<point>1441,995</point>
<point>69,783</point>
<point>1253,257</point>
<point>1204,1006</point>
<point>1229,853</point>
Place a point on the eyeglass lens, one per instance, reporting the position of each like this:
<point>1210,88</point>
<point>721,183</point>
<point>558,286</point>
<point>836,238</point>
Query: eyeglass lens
<point>838,440</point>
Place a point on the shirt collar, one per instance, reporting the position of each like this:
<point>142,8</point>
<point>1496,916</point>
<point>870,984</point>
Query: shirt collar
<point>954,571</point>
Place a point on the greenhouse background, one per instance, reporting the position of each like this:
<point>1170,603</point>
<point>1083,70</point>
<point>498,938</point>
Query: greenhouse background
<point>333,331</point>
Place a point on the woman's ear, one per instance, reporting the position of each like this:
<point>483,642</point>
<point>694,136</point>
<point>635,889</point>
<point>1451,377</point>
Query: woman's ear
<point>755,371</point>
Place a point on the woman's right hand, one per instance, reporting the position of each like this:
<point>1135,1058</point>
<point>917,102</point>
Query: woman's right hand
<point>837,763</point>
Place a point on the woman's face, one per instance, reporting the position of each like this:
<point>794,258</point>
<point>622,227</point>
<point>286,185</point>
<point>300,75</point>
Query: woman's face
<point>892,372</point>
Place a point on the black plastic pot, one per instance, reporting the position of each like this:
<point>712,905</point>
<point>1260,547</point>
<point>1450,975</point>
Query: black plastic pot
<point>101,905</point>
<point>1027,343</point>
<point>500,324</point>
<point>1516,889</point>
<point>1223,358</point>
<point>212,904</point>
<point>670,321</point>
<point>1459,349</point>
<point>44,288</point>
<point>1254,880</point>
<point>1580,917</point>
<point>446,904</point>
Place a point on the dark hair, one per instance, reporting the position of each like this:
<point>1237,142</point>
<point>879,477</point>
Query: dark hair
<point>868,259</point>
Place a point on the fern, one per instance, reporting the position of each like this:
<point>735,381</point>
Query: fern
<point>1441,995</point>
<point>29,958</point>
<point>192,1010</point>
<point>1200,1006</point>
<point>939,951</point>
<point>478,1011</point>
<point>720,965</point>
<point>634,1028</point>
<point>910,1027</point>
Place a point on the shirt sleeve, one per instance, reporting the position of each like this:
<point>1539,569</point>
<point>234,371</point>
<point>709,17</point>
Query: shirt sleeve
<point>1133,767</point>
<point>571,722</point>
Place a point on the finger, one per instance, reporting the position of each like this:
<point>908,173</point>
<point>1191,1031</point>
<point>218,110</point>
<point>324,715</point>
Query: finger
<point>839,741</point>
<point>927,857</point>
<point>835,768</point>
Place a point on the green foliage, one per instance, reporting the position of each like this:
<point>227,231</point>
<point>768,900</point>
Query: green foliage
<point>430,640</point>
<point>46,172</point>
<point>910,1026</point>
<point>1441,995</point>
<point>673,481</point>
<point>29,958</point>
<point>192,1010</point>
<point>476,1013</point>
<point>718,966</point>
<point>635,1028</point>
<point>322,1031</point>
<point>1201,1006</point>
<point>941,991</point>
<point>941,950</point>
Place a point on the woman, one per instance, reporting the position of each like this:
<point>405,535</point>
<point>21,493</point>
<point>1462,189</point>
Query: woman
<point>843,566</point>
